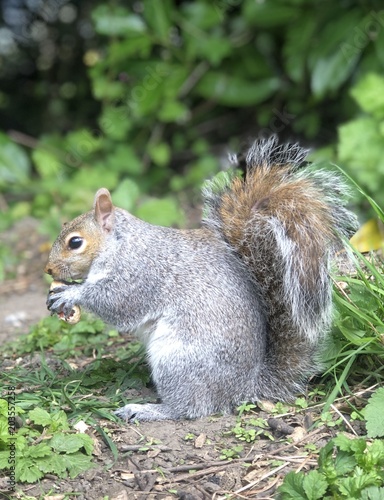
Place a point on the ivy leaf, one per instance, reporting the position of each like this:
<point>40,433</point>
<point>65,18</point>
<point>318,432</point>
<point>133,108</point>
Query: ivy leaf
<point>374,414</point>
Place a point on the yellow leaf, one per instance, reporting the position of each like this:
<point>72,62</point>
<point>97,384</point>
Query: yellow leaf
<point>369,237</point>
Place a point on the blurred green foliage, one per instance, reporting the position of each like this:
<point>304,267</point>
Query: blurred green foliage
<point>149,99</point>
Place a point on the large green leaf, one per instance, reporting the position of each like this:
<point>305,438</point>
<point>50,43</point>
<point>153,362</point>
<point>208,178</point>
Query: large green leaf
<point>269,14</point>
<point>14,163</point>
<point>235,91</point>
<point>111,20</point>
<point>369,94</point>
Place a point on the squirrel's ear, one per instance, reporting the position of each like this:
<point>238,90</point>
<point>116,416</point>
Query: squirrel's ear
<point>104,209</point>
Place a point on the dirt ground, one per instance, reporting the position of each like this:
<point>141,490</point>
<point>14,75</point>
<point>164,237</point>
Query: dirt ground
<point>161,460</point>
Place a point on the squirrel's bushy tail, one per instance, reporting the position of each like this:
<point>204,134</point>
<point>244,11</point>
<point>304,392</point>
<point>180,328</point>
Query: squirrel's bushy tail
<point>286,220</point>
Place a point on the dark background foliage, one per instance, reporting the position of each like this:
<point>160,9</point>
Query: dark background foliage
<point>146,97</point>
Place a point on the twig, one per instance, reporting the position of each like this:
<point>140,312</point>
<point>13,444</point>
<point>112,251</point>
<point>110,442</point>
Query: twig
<point>23,139</point>
<point>258,480</point>
<point>144,447</point>
<point>193,78</point>
<point>345,420</point>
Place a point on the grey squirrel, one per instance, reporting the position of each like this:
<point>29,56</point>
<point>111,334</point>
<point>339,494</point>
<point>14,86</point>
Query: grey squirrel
<point>234,311</point>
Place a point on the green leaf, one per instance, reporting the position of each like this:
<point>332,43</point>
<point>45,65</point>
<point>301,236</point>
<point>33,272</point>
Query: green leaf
<point>40,417</point>
<point>60,421</point>
<point>4,457</point>
<point>104,88</point>
<point>345,443</point>
<point>204,15</point>
<point>76,463</point>
<point>160,153</point>
<point>331,72</point>
<point>369,94</point>
<point>334,58</point>
<point>352,485</point>
<point>372,493</point>
<point>157,14</point>
<point>361,147</point>
<point>124,159</point>
<point>163,212</point>
<point>173,111</point>
<point>235,91</point>
<point>292,487</point>
<point>213,48</point>
<point>27,472</point>
<point>14,163</point>
<point>112,20</point>
<point>115,121</point>
<point>299,35</point>
<point>268,14</point>
<point>126,194</point>
<point>344,463</point>
<point>56,464</point>
<point>374,412</point>
<point>39,450</point>
<point>3,408</point>
<point>94,177</point>
<point>83,143</point>
<point>315,485</point>
<point>46,163</point>
<point>70,443</point>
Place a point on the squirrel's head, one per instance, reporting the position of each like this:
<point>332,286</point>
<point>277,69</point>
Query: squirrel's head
<point>81,240</point>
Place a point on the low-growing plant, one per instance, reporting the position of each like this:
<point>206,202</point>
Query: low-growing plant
<point>347,468</point>
<point>46,445</point>
<point>231,453</point>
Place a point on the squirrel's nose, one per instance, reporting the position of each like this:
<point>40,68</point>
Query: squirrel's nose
<point>48,270</point>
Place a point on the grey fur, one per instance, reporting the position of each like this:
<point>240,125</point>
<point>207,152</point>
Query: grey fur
<point>198,307</point>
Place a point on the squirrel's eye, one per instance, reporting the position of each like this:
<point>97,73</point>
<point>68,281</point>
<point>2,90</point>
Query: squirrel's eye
<point>75,242</point>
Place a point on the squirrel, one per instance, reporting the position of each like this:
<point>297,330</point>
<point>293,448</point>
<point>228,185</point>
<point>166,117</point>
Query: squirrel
<point>235,311</point>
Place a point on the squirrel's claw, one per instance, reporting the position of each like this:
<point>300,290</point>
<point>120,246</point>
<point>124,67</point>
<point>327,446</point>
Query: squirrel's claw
<point>58,303</point>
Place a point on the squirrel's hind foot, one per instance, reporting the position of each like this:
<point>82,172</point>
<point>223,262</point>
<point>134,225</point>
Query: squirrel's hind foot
<point>146,412</point>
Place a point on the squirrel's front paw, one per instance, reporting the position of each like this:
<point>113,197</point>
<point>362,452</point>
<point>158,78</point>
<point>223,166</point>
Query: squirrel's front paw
<point>62,301</point>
